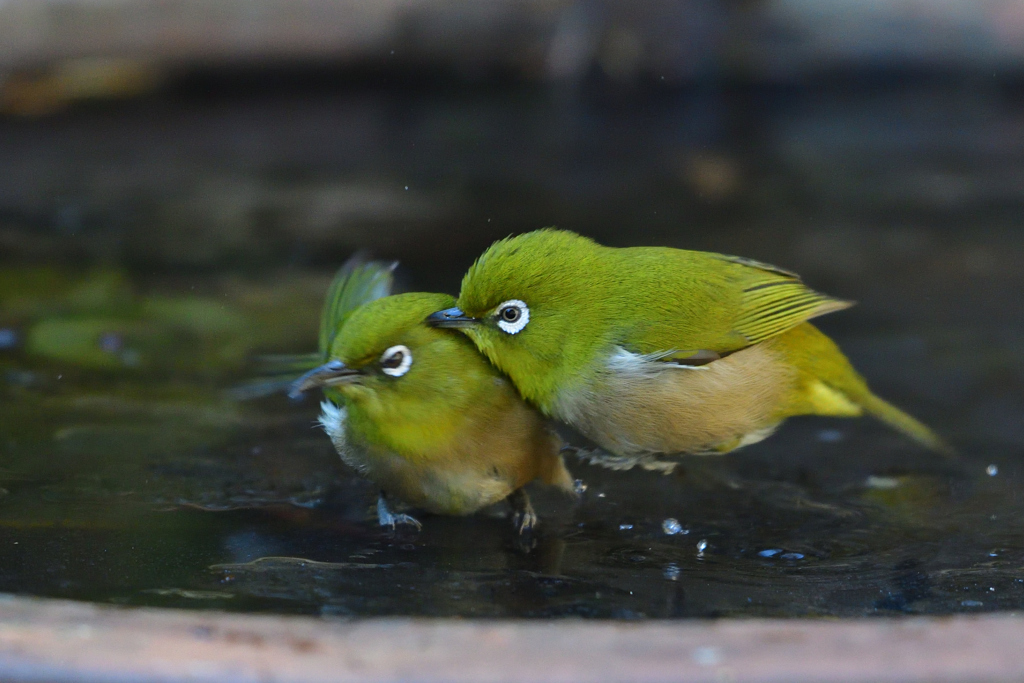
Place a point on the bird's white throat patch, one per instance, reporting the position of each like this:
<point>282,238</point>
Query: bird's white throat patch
<point>332,419</point>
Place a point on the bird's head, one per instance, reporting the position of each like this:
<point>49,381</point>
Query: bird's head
<point>520,304</point>
<point>386,362</point>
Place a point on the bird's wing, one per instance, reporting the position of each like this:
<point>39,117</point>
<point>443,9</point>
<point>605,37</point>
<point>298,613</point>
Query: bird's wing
<point>733,303</point>
<point>357,282</point>
<point>774,300</point>
<point>288,363</point>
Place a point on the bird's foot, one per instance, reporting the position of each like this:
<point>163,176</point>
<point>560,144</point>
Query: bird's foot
<point>524,519</point>
<point>385,517</point>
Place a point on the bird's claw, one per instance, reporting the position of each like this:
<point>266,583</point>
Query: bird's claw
<point>402,519</point>
<point>524,521</point>
<point>385,517</point>
<point>523,516</point>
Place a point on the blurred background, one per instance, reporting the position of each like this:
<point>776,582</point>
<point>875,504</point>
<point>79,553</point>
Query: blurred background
<point>180,178</point>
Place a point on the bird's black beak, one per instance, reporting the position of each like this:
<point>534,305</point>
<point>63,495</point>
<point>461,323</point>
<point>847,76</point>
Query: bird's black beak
<point>327,375</point>
<point>451,317</point>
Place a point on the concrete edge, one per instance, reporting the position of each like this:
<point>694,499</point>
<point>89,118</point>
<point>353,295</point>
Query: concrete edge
<point>56,640</point>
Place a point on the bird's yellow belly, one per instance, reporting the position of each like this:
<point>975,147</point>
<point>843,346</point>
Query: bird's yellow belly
<point>452,482</point>
<point>445,488</point>
<point>713,408</point>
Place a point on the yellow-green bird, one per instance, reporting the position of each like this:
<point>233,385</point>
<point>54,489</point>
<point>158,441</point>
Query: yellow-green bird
<point>650,350</point>
<point>419,411</point>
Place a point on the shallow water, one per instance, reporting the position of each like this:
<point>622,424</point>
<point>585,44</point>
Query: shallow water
<point>151,250</point>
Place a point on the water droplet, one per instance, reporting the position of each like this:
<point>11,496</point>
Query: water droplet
<point>991,589</point>
<point>407,187</point>
<point>111,342</point>
<point>8,338</point>
<point>992,470</point>
<point>671,572</point>
<point>830,436</point>
<point>792,556</point>
<point>771,552</point>
<point>625,527</point>
<point>671,526</point>
<point>600,495</point>
<point>971,603</point>
<point>579,487</point>
<point>702,545</point>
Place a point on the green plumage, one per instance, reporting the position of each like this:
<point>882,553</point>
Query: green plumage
<point>652,349</point>
<point>357,282</point>
<point>418,410</point>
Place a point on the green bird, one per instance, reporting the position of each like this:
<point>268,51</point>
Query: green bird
<point>651,350</point>
<point>419,411</point>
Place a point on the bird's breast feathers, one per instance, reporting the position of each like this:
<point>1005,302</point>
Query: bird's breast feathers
<point>637,403</point>
<point>458,488</point>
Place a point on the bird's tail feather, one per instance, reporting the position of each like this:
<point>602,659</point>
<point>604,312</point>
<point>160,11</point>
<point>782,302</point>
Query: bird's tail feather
<point>902,422</point>
<point>817,356</point>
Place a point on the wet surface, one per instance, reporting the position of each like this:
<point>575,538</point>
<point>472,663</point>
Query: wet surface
<point>150,251</point>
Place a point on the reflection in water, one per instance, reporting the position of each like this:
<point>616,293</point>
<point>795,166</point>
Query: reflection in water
<point>125,513</point>
<point>129,473</point>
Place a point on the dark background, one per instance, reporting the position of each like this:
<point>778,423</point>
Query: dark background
<point>179,180</point>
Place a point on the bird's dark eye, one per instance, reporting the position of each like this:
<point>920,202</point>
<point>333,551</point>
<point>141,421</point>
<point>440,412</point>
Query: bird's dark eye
<point>510,314</point>
<point>396,361</point>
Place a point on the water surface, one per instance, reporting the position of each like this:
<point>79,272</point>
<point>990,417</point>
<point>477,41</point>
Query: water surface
<point>152,249</point>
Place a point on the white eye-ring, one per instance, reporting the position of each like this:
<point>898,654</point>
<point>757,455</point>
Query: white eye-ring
<point>513,315</point>
<point>396,361</point>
